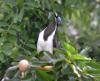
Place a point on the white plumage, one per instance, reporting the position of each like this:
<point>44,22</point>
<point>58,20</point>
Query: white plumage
<point>46,40</point>
<point>45,45</point>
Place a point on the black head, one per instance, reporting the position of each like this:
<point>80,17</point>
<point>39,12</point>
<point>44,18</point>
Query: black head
<point>57,18</point>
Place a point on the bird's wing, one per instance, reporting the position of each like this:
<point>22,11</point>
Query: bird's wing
<point>49,30</point>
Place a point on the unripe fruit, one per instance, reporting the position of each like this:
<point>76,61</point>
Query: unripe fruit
<point>23,65</point>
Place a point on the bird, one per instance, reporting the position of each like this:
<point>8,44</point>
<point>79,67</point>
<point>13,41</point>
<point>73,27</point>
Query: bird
<point>46,39</point>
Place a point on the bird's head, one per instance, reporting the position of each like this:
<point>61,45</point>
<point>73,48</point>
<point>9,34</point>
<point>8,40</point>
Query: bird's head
<point>57,19</point>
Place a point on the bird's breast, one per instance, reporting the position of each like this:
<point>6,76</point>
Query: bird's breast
<point>47,45</point>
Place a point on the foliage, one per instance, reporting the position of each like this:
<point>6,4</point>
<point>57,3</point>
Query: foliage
<point>20,20</point>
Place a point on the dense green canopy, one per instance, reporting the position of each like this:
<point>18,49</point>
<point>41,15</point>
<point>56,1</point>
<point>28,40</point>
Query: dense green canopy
<point>78,36</point>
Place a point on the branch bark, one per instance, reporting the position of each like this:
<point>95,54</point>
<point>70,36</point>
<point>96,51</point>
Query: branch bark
<point>8,72</point>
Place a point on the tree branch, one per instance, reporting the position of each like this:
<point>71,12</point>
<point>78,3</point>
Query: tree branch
<point>8,72</point>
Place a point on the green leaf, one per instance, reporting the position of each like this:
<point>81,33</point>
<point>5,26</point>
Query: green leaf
<point>70,48</point>
<point>94,64</point>
<point>3,24</point>
<point>1,16</point>
<point>80,58</point>
<point>2,58</point>
<point>7,48</point>
<point>21,14</point>
<point>14,52</point>
<point>68,54</point>
<point>2,40</point>
<point>44,75</point>
<point>96,71</point>
<point>1,30</point>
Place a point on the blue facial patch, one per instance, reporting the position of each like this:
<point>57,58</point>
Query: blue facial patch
<point>59,20</point>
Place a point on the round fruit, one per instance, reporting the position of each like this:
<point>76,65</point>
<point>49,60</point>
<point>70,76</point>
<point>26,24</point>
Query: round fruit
<point>23,65</point>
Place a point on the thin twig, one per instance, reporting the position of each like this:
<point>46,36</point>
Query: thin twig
<point>8,71</point>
